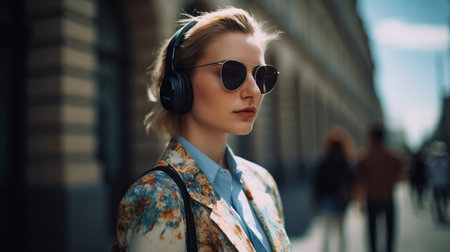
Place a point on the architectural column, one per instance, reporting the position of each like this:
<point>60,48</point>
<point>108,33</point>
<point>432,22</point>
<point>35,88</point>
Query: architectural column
<point>65,190</point>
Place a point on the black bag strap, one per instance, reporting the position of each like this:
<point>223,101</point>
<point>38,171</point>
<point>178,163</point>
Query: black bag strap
<point>191,236</point>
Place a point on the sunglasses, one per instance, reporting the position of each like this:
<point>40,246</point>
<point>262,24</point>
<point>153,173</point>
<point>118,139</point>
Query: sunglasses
<point>233,74</point>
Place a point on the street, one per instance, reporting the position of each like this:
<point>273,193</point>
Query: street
<point>416,230</point>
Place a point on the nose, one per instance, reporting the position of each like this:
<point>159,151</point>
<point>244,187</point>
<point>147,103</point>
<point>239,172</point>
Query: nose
<point>250,89</point>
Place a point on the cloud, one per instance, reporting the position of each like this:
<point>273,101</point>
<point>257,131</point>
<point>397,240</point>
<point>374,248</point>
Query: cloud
<point>417,123</point>
<point>408,36</point>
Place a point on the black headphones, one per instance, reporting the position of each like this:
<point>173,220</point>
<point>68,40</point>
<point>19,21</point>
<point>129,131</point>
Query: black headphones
<point>176,88</point>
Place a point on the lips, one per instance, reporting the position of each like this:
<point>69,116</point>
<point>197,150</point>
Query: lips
<point>248,112</point>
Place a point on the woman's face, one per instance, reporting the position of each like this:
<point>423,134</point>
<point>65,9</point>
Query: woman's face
<point>214,109</point>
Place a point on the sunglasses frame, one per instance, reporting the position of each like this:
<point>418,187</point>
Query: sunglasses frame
<point>254,71</point>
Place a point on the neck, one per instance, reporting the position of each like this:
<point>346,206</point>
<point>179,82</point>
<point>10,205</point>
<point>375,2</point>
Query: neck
<point>212,145</point>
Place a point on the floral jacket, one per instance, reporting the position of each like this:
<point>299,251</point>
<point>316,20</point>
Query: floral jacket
<point>151,214</point>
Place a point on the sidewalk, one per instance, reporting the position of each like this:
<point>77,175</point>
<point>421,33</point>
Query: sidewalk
<point>416,230</point>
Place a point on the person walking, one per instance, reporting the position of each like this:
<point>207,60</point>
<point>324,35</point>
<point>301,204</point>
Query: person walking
<point>333,183</point>
<point>378,171</point>
<point>438,173</point>
<point>418,177</point>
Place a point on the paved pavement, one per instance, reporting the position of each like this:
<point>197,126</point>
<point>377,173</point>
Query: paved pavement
<point>416,230</point>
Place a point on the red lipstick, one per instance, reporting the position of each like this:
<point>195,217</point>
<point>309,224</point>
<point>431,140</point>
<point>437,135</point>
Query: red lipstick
<point>248,112</point>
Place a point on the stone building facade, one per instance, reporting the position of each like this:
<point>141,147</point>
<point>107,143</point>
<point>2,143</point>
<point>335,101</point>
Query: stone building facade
<point>73,100</point>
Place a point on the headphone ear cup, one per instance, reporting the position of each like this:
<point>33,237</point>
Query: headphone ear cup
<point>167,93</point>
<point>176,93</point>
<point>187,93</point>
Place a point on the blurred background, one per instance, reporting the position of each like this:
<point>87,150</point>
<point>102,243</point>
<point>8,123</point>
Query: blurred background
<point>73,99</point>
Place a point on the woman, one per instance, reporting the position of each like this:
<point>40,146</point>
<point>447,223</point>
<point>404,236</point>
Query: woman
<point>211,78</point>
<point>333,185</point>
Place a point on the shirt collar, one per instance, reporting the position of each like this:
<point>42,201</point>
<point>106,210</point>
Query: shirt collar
<point>207,165</point>
<point>232,165</point>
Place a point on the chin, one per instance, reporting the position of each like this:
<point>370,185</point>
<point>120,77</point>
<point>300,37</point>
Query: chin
<point>242,131</point>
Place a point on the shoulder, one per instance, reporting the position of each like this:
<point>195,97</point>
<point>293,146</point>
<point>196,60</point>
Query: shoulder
<point>150,215</point>
<point>362,158</point>
<point>152,200</point>
<point>151,183</point>
<point>395,157</point>
<point>255,171</point>
<point>251,167</point>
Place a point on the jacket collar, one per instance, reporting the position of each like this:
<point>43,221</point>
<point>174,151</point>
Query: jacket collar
<point>201,190</point>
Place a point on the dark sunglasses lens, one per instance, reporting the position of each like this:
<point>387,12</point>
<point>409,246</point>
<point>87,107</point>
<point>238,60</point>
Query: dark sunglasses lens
<point>266,78</point>
<point>233,74</point>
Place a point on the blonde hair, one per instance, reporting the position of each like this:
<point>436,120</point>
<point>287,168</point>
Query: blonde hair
<point>209,25</point>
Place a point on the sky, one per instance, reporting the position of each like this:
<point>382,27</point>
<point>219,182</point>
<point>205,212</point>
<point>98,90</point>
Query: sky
<point>409,40</point>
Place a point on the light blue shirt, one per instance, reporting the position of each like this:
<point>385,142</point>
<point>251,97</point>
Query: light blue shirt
<point>229,186</point>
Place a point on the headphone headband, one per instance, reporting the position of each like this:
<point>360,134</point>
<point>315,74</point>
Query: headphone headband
<point>175,42</point>
<point>176,88</point>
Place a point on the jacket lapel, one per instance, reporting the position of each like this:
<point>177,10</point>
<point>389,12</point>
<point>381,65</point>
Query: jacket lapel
<point>201,190</point>
<point>266,212</point>
<point>222,215</point>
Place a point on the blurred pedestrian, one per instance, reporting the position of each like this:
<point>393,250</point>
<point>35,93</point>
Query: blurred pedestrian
<point>333,183</point>
<point>378,171</point>
<point>438,170</point>
<point>418,177</point>
<point>210,79</point>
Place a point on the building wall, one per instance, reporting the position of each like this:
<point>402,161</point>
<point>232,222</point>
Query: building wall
<point>66,193</point>
<point>326,79</point>
<point>85,99</point>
